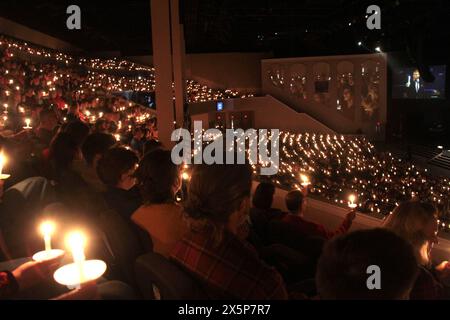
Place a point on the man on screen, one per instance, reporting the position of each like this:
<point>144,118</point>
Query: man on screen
<point>414,86</point>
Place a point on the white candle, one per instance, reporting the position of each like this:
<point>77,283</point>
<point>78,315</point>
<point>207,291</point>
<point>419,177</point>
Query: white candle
<point>305,180</point>
<point>47,229</point>
<point>352,203</point>
<point>76,242</point>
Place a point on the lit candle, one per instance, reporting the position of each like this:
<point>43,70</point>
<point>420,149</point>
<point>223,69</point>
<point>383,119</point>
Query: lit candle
<point>352,203</point>
<point>305,180</point>
<point>81,270</point>
<point>185,176</point>
<point>47,229</point>
<point>2,163</point>
<point>76,242</point>
<point>27,121</point>
<point>117,136</point>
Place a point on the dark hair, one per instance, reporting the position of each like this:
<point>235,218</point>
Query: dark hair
<point>45,114</point>
<point>62,152</point>
<point>263,196</point>
<point>156,176</point>
<point>114,163</point>
<point>97,143</point>
<point>100,122</point>
<point>151,145</point>
<point>77,130</point>
<point>216,191</point>
<point>342,271</point>
<point>294,200</point>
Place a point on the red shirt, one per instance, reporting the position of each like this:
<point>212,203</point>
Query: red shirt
<point>230,269</point>
<point>312,229</point>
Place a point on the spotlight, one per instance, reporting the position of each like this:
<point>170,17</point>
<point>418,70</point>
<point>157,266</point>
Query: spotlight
<point>440,147</point>
<point>359,43</point>
<point>349,24</point>
<point>378,49</point>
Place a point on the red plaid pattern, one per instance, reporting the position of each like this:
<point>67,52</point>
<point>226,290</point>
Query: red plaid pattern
<point>231,269</point>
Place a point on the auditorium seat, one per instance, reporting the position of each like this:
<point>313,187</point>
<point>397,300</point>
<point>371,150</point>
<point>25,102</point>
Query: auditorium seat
<point>125,242</point>
<point>159,278</point>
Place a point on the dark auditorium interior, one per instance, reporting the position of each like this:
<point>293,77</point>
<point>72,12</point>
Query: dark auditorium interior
<point>224,150</point>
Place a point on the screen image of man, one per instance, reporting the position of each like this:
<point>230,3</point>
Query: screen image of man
<point>414,86</point>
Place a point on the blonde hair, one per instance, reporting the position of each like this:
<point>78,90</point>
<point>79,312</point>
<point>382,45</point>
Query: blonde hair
<point>409,220</point>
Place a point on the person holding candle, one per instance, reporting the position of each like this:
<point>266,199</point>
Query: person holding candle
<point>295,204</point>
<point>416,222</point>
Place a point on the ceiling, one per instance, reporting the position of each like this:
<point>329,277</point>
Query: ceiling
<point>284,27</point>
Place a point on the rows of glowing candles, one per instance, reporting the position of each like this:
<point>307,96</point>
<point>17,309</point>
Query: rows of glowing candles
<point>305,182</point>
<point>72,274</point>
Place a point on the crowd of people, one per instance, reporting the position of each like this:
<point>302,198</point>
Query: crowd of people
<point>340,165</point>
<point>91,159</point>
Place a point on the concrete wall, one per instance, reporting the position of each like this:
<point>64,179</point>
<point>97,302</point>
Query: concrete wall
<point>269,113</point>
<point>19,31</point>
<point>278,74</point>
<point>241,71</point>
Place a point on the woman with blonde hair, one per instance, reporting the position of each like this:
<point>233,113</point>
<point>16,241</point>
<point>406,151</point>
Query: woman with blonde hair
<point>417,223</point>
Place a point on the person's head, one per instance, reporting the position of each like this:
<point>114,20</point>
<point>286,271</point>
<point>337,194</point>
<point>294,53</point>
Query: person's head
<point>416,74</point>
<point>117,167</point>
<point>294,201</point>
<point>63,151</point>
<point>138,133</point>
<point>347,94</point>
<point>158,177</point>
<point>263,196</point>
<point>219,196</point>
<point>101,125</point>
<point>78,130</point>
<point>95,145</point>
<point>48,119</point>
<point>151,145</point>
<point>416,222</point>
<point>348,261</point>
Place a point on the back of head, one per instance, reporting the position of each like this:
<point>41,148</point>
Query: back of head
<point>151,145</point>
<point>46,115</point>
<point>97,144</point>
<point>63,151</point>
<point>263,196</point>
<point>342,271</point>
<point>294,201</point>
<point>216,191</point>
<point>158,177</point>
<point>410,220</point>
<point>114,163</point>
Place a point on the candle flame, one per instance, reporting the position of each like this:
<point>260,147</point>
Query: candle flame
<point>47,228</point>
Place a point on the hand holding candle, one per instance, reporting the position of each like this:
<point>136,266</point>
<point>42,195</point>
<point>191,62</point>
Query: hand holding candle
<point>81,270</point>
